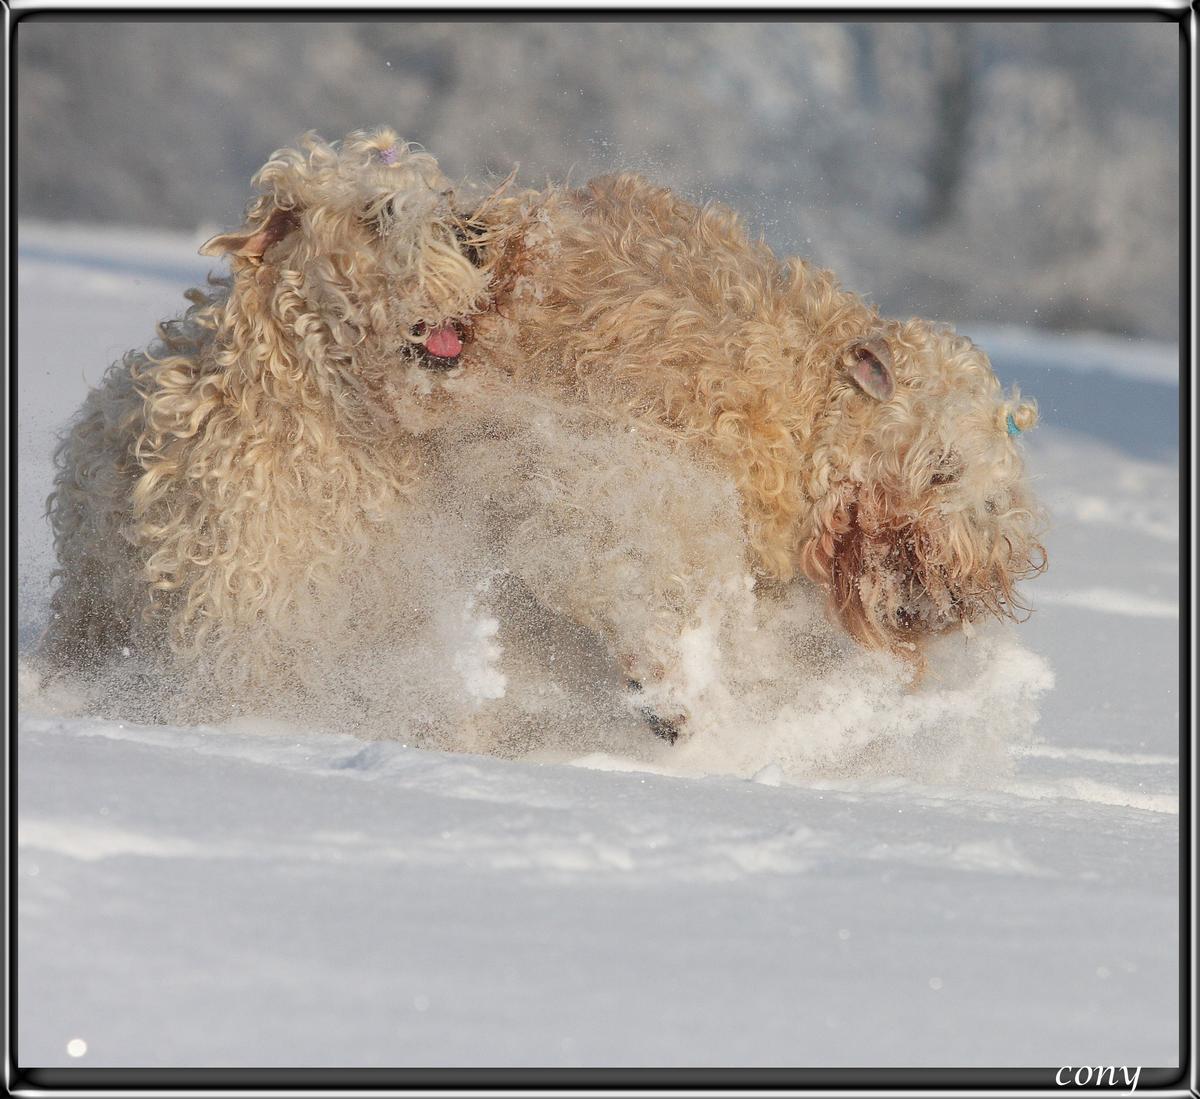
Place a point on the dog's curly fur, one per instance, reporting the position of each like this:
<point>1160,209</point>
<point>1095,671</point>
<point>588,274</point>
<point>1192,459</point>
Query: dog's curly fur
<point>874,456</point>
<point>215,479</point>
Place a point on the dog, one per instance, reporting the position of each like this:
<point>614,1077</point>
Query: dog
<point>217,480</point>
<point>213,482</point>
<point>876,459</point>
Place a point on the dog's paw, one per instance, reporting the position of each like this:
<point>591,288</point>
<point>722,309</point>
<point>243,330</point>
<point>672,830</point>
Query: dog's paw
<point>668,728</point>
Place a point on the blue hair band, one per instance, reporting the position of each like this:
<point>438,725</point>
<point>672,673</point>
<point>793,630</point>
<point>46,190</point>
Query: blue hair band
<point>1012,425</point>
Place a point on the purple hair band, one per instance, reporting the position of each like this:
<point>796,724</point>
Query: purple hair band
<point>388,155</point>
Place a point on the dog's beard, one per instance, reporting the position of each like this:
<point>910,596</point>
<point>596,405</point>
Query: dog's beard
<point>439,345</point>
<point>895,583</point>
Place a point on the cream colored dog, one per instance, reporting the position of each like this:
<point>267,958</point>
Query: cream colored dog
<point>215,482</point>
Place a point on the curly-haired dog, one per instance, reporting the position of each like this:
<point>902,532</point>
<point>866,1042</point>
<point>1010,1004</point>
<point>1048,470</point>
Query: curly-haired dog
<point>875,458</point>
<point>210,483</point>
<point>213,482</point>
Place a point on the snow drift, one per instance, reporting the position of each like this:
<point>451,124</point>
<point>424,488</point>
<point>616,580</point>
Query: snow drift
<point>914,877</point>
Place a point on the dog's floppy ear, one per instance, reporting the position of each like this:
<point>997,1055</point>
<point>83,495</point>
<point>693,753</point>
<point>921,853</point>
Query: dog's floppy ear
<point>868,364</point>
<point>251,242</point>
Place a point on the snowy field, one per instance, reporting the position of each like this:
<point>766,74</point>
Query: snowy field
<point>269,894</point>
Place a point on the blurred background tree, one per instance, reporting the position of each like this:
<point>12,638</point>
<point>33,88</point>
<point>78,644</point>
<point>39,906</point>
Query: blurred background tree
<point>1006,173</point>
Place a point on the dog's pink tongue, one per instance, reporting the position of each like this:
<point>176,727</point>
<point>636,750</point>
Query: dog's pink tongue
<point>444,342</point>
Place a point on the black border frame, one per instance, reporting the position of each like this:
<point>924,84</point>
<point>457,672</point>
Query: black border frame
<point>1183,1079</point>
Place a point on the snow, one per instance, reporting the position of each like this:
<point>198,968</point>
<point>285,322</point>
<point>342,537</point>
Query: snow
<point>1107,600</point>
<point>1139,360</point>
<point>981,872</point>
<point>475,656</point>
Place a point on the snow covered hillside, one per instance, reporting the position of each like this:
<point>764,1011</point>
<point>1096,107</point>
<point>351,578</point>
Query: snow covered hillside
<point>991,881</point>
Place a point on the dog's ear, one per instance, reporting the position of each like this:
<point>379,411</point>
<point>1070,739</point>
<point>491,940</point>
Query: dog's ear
<point>868,364</point>
<point>251,242</point>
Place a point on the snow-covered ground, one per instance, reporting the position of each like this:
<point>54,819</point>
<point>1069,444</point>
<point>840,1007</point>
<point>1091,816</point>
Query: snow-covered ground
<point>269,894</point>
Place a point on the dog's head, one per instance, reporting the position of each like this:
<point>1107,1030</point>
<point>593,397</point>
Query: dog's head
<point>923,518</point>
<point>360,252</point>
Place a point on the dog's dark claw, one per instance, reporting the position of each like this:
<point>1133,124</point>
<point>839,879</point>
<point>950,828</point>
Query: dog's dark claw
<point>659,726</point>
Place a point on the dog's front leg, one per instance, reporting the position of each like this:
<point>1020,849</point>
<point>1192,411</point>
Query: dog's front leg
<point>639,543</point>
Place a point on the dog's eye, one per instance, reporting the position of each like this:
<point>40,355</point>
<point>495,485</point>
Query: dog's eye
<point>466,234</point>
<point>386,210</point>
<point>378,212</point>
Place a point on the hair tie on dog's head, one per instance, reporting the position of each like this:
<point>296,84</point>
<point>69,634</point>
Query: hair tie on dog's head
<point>1019,415</point>
<point>388,155</point>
